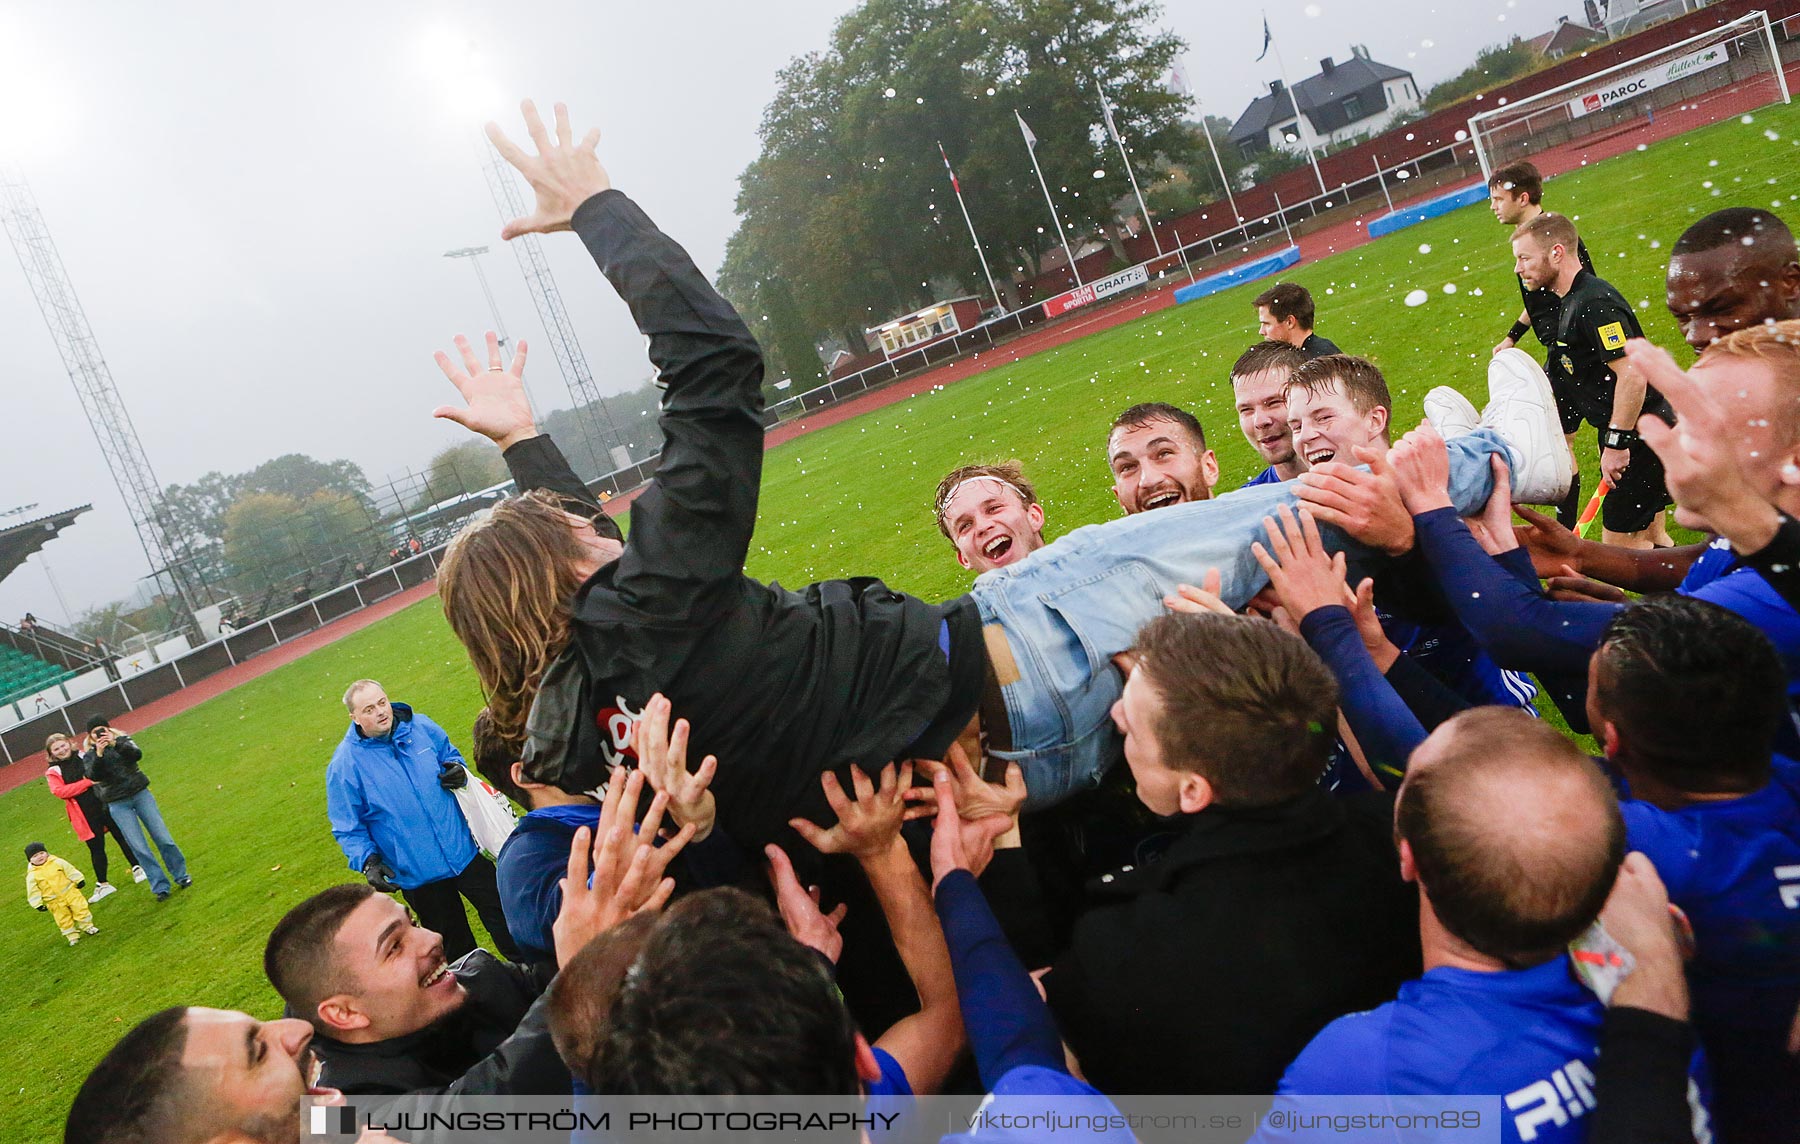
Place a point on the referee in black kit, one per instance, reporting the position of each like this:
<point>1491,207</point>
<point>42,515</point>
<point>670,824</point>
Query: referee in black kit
<point>1587,362</point>
<point>1516,196</point>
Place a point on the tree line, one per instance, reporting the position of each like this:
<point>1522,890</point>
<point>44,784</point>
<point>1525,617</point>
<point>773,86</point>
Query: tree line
<point>847,215</point>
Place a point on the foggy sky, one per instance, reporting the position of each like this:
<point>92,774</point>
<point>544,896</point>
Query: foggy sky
<point>253,202</point>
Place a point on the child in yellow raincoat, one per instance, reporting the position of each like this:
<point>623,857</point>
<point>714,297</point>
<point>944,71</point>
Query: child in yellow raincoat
<point>54,885</point>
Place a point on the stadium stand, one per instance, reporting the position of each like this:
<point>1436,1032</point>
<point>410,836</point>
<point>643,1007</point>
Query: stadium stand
<point>22,674</point>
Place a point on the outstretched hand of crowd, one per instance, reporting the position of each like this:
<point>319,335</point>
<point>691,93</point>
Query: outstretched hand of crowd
<point>1422,470</point>
<point>563,174</point>
<point>495,404</point>
<point>615,871</point>
<point>986,813</point>
<point>1194,601</point>
<point>1636,915</point>
<point>1699,453</point>
<point>1493,528</point>
<point>662,758</point>
<point>1303,574</point>
<point>867,826</point>
<point>957,843</point>
<point>806,922</point>
<point>1555,550</point>
<point>1365,503</point>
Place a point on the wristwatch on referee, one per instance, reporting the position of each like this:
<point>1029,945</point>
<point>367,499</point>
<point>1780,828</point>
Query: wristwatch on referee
<point>1615,438</point>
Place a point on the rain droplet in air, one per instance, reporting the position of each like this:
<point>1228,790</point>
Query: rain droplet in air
<point>1424,248</point>
<point>1417,298</point>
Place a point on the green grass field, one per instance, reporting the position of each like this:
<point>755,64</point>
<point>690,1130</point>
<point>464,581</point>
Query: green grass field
<point>241,778</point>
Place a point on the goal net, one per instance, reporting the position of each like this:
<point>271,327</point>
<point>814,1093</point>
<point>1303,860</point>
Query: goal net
<point>1725,71</point>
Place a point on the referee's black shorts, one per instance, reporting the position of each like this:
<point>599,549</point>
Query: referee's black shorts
<point>1566,408</point>
<point>1639,496</point>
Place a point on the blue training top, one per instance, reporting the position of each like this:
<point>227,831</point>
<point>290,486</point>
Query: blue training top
<point>1734,869</point>
<point>1266,477</point>
<point>1531,1035</point>
<point>529,872</point>
<point>1720,577</point>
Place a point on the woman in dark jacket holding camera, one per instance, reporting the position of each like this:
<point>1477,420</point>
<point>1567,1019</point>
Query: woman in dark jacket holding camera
<point>111,761</point>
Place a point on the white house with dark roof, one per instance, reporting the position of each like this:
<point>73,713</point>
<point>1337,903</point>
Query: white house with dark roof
<point>1345,99</point>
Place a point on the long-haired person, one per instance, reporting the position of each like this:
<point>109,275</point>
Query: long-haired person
<point>572,630</point>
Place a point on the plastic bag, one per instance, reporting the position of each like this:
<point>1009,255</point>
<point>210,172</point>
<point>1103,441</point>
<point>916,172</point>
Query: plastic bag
<point>489,815</point>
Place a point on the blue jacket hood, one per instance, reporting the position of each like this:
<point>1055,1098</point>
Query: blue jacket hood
<point>403,715</point>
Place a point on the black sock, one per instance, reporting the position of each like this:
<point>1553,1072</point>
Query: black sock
<point>1568,513</point>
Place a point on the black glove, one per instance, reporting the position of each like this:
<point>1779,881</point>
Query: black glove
<point>380,875</point>
<point>453,776</point>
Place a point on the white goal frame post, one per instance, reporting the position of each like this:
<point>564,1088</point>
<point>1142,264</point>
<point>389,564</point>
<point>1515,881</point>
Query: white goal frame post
<point>1554,118</point>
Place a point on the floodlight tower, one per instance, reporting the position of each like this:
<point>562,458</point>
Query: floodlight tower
<point>472,254</point>
<point>563,343</point>
<point>100,400</point>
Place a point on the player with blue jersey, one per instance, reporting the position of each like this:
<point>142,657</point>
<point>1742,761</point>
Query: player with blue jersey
<point>1686,697</point>
<point>1515,839</point>
<point>1259,380</point>
<point>1754,376</point>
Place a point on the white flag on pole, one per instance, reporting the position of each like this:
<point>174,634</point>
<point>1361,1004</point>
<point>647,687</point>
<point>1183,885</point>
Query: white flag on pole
<point>1177,82</point>
<point>1106,110</point>
<point>1030,139</point>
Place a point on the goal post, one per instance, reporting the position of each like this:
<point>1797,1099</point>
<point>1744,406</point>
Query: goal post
<point>1729,70</point>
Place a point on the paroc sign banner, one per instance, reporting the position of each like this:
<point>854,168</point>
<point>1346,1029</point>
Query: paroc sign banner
<point>1659,76</point>
<point>1094,291</point>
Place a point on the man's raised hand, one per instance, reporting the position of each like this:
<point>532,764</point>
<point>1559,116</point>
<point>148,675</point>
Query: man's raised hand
<point>1364,503</point>
<point>1422,470</point>
<point>1194,601</point>
<point>1700,456</point>
<point>1303,574</point>
<point>806,922</point>
<point>867,827</point>
<point>496,406</point>
<point>662,757</point>
<point>1493,529</point>
<point>563,174</point>
<point>956,842</point>
<point>1553,548</point>
<point>986,814</point>
<point>976,798</point>
<point>625,875</point>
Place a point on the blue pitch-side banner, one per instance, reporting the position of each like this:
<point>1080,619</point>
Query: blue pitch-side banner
<point>1244,272</point>
<point>1431,208</point>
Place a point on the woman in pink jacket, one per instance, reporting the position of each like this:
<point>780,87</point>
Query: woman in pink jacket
<point>87,814</point>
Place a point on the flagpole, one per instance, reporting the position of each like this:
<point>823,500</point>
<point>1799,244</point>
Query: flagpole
<point>1217,162</point>
<point>957,187</point>
<point>1031,147</point>
<point>1106,110</point>
<point>1294,101</point>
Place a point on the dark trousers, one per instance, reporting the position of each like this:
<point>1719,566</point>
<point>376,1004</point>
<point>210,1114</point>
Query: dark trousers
<point>97,850</point>
<point>439,907</point>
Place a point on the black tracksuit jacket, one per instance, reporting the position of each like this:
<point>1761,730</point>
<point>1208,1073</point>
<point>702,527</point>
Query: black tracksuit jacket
<point>780,685</point>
